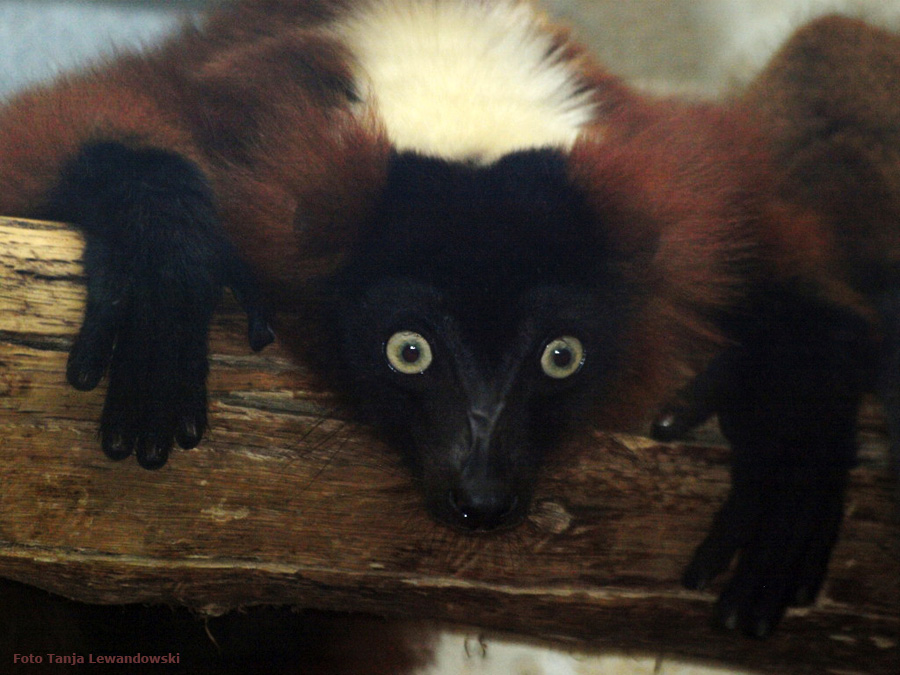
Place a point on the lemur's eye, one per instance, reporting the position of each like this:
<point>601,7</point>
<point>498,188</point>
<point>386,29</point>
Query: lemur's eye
<point>562,357</point>
<point>408,353</point>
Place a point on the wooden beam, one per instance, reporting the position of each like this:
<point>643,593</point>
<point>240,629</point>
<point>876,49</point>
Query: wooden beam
<point>285,502</point>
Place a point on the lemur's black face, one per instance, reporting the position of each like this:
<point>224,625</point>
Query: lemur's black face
<point>480,324</point>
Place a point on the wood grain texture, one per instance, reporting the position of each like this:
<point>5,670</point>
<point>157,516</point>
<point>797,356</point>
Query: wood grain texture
<point>285,502</point>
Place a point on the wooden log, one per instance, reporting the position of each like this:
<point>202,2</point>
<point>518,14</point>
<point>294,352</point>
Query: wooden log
<point>285,502</point>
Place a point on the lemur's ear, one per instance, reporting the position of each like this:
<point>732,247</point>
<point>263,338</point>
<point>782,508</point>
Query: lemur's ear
<point>679,199</point>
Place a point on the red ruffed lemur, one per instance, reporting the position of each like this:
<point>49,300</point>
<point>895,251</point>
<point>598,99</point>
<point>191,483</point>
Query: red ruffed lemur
<point>476,235</point>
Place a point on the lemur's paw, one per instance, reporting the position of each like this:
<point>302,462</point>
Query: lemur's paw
<point>673,423</point>
<point>156,263</point>
<point>782,533</point>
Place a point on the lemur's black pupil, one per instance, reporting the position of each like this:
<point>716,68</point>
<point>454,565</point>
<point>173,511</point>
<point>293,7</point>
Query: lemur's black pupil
<point>410,353</point>
<point>562,357</point>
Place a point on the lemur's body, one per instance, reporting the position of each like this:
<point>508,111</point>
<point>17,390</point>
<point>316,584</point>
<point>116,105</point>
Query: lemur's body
<point>474,233</point>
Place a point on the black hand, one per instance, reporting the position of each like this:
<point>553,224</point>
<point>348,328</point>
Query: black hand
<point>156,263</point>
<point>787,402</point>
<point>782,530</point>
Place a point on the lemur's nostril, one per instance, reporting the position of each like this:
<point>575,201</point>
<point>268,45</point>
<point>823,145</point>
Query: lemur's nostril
<point>482,510</point>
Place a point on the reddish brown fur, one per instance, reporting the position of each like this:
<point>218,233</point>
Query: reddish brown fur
<point>42,128</point>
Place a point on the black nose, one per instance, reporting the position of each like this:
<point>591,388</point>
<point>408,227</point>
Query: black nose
<point>483,509</point>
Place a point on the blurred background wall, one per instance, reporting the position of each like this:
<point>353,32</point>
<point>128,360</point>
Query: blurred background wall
<point>694,47</point>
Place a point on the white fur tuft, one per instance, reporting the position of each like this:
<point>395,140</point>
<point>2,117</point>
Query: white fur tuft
<point>465,79</point>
